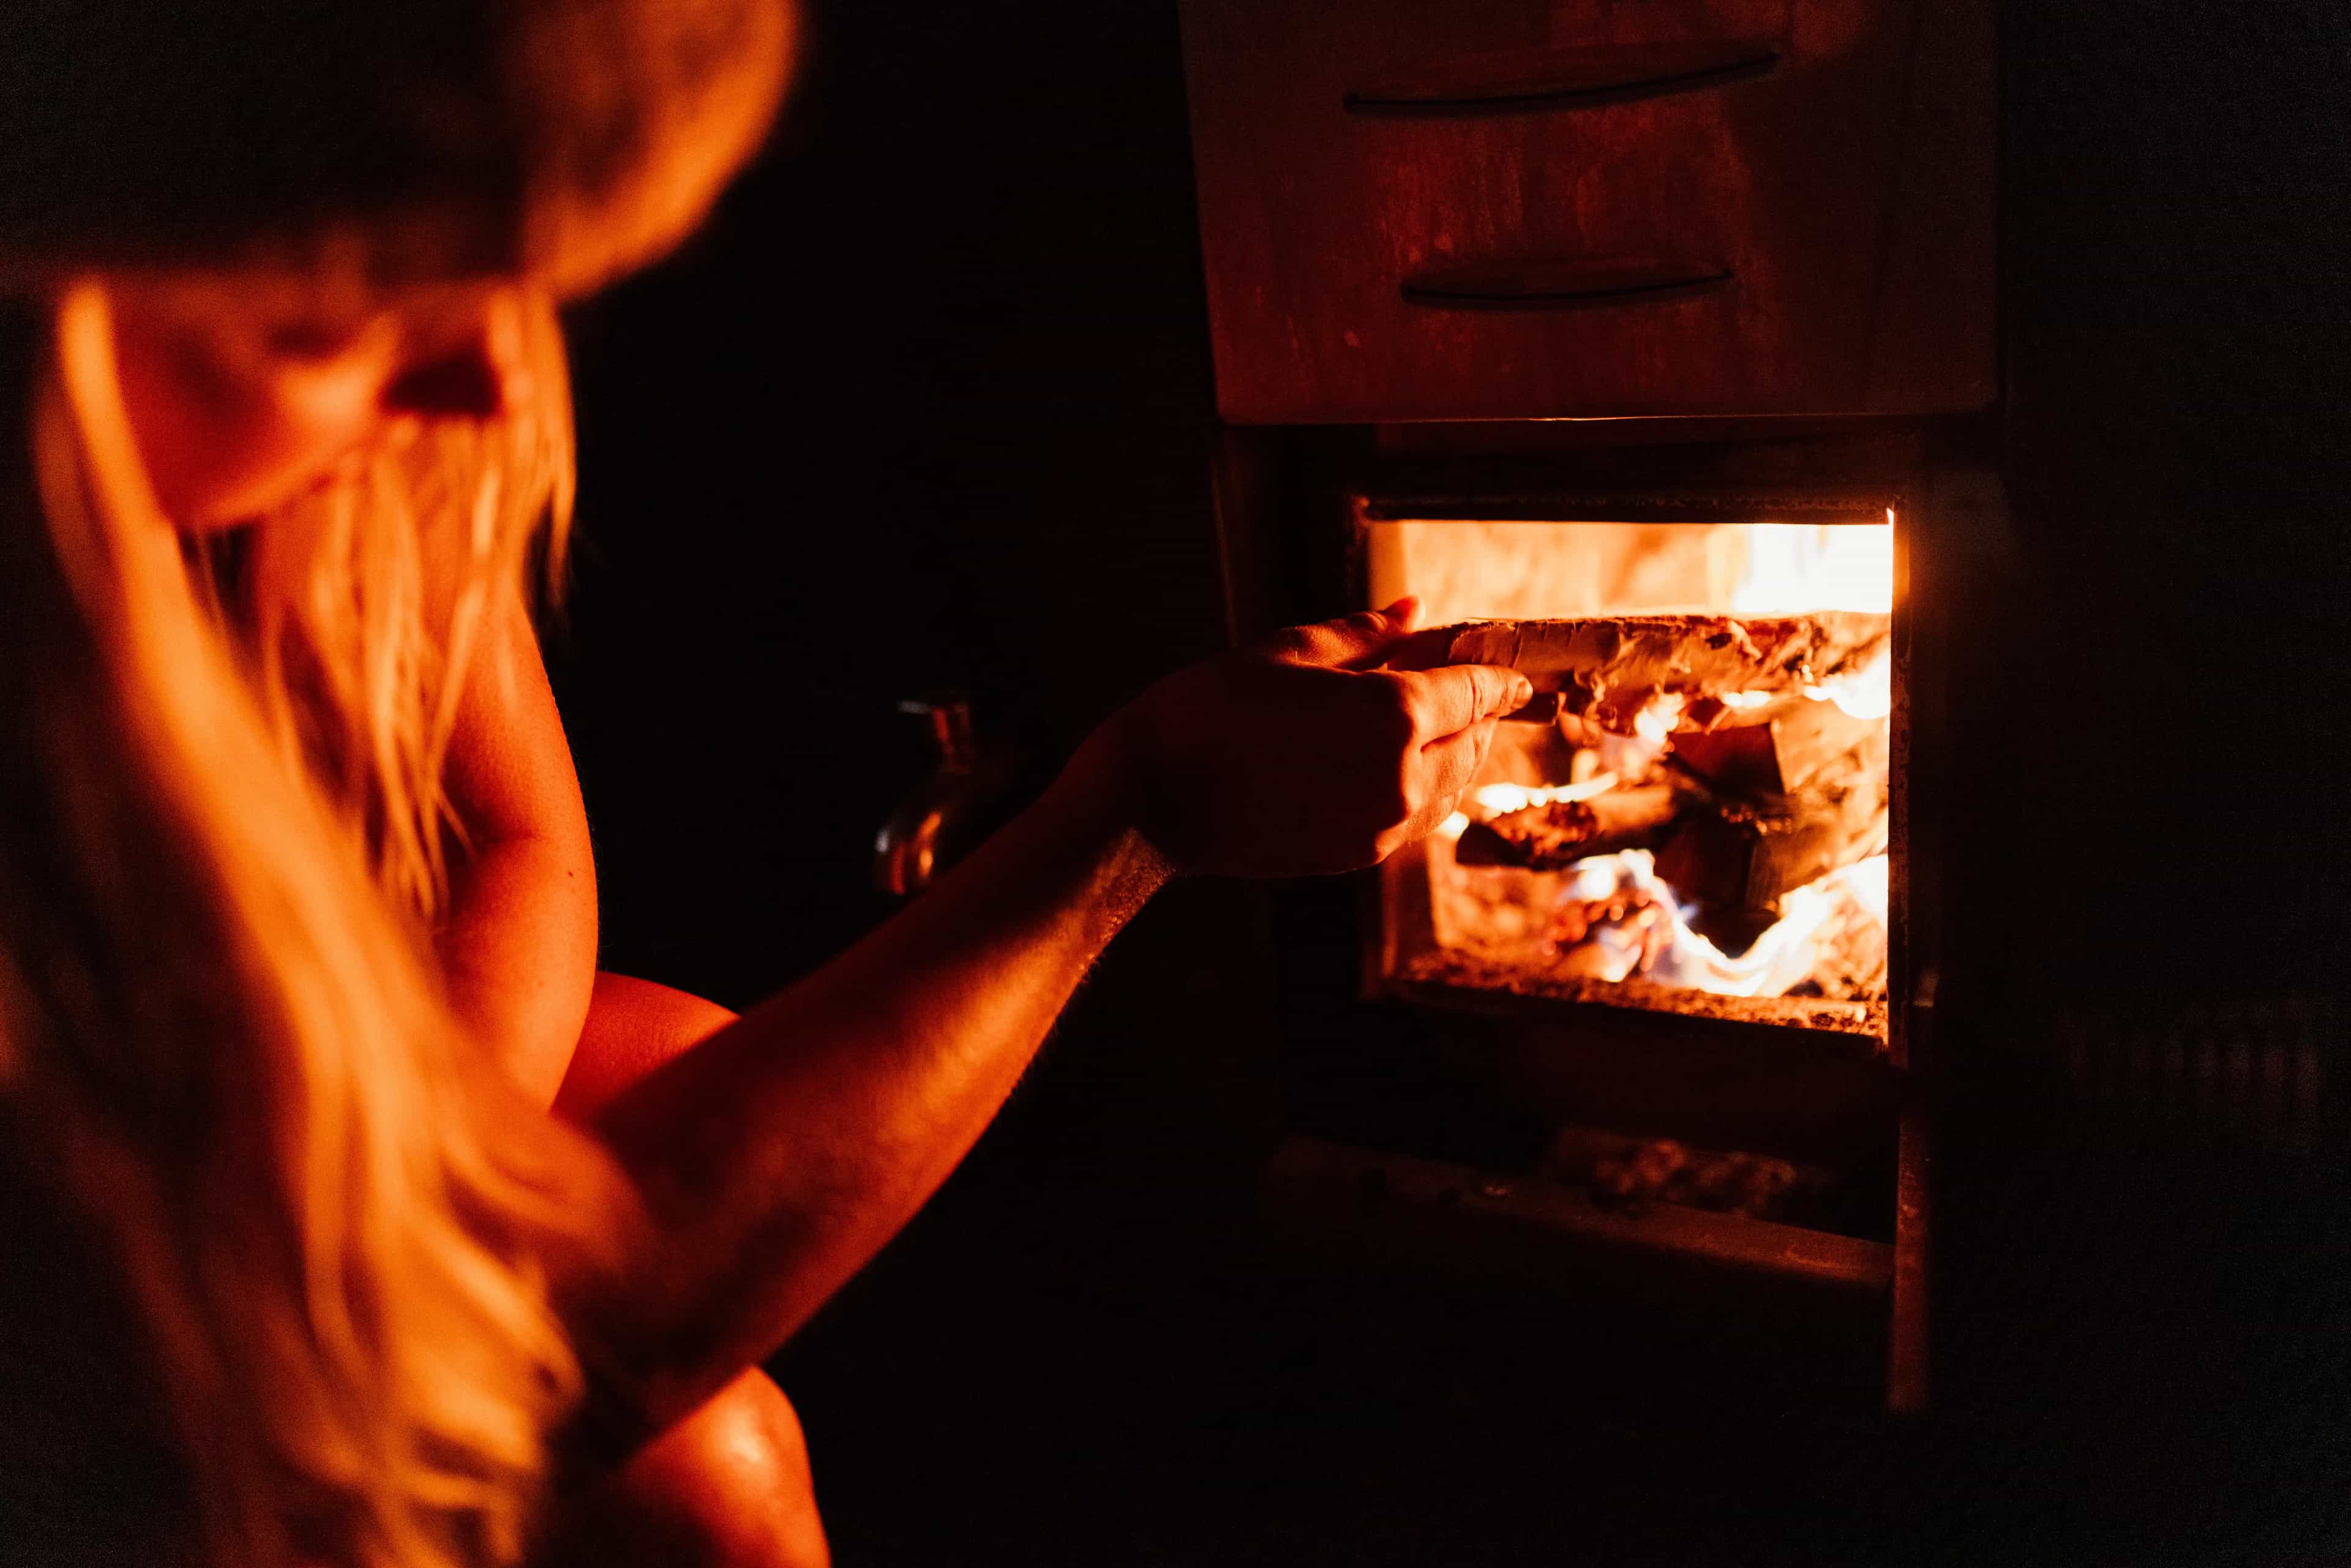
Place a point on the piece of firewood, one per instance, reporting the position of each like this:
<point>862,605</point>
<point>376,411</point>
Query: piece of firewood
<point>1759,843</point>
<point>1557,834</point>
<point>1807,747</point>
<point>1711,671</point>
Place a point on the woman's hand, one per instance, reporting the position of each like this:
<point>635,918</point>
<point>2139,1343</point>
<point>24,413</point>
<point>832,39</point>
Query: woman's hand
<point>1300,755</point>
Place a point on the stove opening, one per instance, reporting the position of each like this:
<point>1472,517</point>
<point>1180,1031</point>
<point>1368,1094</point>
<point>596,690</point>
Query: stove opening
<point>1695,817</point>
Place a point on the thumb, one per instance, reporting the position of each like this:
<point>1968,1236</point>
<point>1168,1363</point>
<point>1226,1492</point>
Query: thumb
<point>1360,641</point>
<point>1457,695</point>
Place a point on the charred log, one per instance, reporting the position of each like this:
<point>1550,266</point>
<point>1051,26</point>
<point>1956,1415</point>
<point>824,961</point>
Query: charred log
<point>1796,801</point>
<point>1558,834</point>
<point>1809,749</point>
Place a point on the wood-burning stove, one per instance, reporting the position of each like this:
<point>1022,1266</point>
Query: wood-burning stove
<point>1677,1107</point>
<point>1657,338</point>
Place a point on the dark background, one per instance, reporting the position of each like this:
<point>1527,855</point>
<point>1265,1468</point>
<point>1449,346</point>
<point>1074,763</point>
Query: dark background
<point>927,406</point>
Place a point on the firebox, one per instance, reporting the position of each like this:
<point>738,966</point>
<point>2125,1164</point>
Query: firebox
<point>1644,1016</point>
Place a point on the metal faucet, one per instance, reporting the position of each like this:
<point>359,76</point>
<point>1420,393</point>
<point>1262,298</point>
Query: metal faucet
<point>906,852</point>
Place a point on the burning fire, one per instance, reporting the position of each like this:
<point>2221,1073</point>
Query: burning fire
<point>1496,798</point>
<point>1866,692</point>
<point>1619,919</point>
<point>1529,895</point>
<point>1825,566</point>
<point>1612,918</point>
<point>1794,567</point>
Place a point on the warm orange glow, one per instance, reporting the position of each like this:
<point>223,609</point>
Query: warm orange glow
<point>1866,692</point>
<point>1494,799</point>
<point>1801,568</point>
<point>1523,901</point>
<point>1613,918</point>
<point>1507,571</point>
<point>1658,716</point>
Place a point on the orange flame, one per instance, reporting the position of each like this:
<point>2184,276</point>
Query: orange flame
<point>1781,958</point>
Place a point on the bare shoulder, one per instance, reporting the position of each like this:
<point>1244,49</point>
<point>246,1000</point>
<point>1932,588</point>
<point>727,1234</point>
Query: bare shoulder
<point>510,767</point>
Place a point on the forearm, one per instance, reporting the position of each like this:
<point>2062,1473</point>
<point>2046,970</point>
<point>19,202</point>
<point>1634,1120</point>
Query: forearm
<point>779,1155</point>
<point>518,953</point>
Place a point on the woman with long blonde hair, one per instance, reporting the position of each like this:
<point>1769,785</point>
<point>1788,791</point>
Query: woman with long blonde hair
<point>297,922</point>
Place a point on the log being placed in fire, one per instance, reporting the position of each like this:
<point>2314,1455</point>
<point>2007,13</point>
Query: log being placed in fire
<point>1679,674</point>
<point>1560,832</point>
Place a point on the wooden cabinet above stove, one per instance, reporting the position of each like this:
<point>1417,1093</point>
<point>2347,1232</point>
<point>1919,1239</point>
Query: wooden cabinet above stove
<point>1508,209</point>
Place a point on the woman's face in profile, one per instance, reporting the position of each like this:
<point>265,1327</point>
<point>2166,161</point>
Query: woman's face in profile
<point>247,390</point>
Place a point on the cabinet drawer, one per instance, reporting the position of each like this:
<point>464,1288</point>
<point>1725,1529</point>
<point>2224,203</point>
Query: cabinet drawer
<point>1494,209</point>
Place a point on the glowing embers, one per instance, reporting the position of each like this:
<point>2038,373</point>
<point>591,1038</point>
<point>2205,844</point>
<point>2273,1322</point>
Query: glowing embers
<point>1611,919</point>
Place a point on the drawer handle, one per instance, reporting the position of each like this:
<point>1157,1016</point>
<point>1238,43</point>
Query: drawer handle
<point>1514,81</point>
<point>1564,285</point>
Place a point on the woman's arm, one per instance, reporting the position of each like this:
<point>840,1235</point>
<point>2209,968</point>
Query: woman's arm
<point>777,1155</point>
<point>517,943</point>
